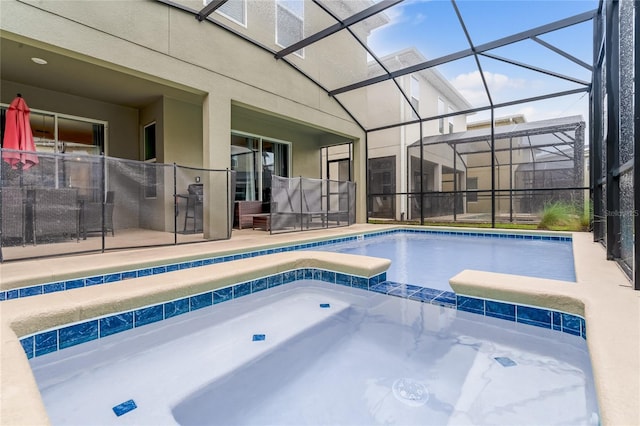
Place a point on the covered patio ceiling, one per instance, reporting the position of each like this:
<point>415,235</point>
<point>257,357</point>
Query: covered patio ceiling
<point>95,80</point>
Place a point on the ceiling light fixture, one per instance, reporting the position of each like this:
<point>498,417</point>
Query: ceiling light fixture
<point>39,61</point>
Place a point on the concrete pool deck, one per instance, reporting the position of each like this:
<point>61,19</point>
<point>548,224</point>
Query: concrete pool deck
<point>603,295</point>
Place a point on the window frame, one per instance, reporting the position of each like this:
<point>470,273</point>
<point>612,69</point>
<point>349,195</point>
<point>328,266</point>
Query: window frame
<point>414,88</point>
<point>150,172</point>
<point>231,18</point>
<point>441,109</point>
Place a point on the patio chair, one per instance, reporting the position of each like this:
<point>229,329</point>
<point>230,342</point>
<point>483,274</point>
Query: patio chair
<point>55,214</point>
<point>13,215</point>
<point>245,212</point>
<point>92,220</point>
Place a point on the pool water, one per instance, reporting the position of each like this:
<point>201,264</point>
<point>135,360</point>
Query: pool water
<point>311,354</point>
<point>430,260</point>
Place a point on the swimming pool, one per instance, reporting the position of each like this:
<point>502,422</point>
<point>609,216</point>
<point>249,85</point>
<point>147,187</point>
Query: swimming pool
<point>413,263</point>
<point>308,353</point>
<point>431,259</point>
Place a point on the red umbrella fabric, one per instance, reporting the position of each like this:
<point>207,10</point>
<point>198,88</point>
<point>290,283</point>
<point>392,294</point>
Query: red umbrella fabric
<point>18,136</point>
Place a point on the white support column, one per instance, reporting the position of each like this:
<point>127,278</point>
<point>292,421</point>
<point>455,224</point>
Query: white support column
<point>437,177</point>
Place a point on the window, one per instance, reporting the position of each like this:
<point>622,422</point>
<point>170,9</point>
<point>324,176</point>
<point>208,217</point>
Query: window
<point>472,184</point>
<point>236,10</point>
<point>450,119</point>
<point>63,133</point>
<point>415,96</point>
<point>441,112</point>
<point>150,190</point>
<point>289,23</point>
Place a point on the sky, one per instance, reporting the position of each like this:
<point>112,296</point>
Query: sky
<point>432,27</point>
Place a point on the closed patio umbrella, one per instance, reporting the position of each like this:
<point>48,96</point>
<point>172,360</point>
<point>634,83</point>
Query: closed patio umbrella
<point>18,136</point>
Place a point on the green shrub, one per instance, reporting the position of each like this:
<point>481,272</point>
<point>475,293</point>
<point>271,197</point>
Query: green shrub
<point>563,216</point>
<point>586,216</point>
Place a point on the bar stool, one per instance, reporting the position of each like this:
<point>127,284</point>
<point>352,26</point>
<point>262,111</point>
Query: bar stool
<point>194,207</point>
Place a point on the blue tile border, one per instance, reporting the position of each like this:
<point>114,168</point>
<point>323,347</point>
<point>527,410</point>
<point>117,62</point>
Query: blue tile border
<point>530,315</point>
<point>500,310</point>
<point>471,304</point>
<point>115,324</point>
<point>112,277</point>
<point>77,333</point>
<point>44,343</point>
<point>48,341</point>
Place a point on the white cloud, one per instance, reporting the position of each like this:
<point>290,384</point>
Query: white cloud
<point>395,15</point>
<point>495,81</point>
<point>471,87</point>
<point>530,113</point>
<point>386,39</point>
<point>399,15</point>
<point>418,19</point>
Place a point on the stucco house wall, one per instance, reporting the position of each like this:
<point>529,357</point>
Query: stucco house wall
<point>388,105</point>
<point>211,68</point>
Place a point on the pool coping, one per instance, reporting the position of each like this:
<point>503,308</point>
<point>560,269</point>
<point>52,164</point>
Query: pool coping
<point>604,298</point>
<point>603,293</point>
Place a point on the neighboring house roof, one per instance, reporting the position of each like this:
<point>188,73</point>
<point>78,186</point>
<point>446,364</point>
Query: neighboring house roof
<point>411,56</point>
<point>501,121</point>
<point>504,132</point>
<point>541,165</point>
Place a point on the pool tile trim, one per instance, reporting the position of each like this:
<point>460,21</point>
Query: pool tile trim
<point>73,334</point>
<point>113,277</point>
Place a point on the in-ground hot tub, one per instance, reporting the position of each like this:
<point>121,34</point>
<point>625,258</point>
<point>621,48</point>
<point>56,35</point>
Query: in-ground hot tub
<point>313,353</point>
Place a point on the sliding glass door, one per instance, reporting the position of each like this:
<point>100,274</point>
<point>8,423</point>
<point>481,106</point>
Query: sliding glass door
<point>55,133</point>
<point>255,160</point>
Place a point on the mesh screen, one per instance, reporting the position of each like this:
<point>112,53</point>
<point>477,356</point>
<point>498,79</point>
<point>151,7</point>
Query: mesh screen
<point>457,172</point>
<point>304,203</point>
<point>626,215</point>
<point>473,206</point>
<point>82,203</point>
<point>627,129</point>
<point>600,215</point>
